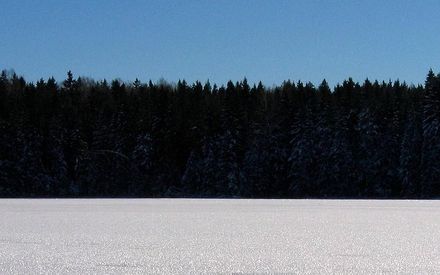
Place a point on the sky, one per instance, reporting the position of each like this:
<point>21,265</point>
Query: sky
<point>221,40</point>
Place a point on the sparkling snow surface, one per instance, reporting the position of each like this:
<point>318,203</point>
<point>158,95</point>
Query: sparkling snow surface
<point>166,236</point>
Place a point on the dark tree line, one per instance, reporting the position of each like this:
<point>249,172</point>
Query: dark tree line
<point>86,138</point>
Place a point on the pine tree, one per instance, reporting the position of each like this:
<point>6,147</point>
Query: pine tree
<point>430,180</point>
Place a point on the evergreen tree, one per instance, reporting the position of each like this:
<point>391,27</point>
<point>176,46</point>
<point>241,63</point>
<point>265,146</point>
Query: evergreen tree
<point>431,137</point>
<point>99,138</point>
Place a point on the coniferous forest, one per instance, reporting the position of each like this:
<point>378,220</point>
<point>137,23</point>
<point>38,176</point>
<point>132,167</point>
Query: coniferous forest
<point>85,138</point>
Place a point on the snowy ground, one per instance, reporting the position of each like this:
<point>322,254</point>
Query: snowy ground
<point>211,236</point>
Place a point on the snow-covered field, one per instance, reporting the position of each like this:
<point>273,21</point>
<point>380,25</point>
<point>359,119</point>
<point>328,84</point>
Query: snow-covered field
<point>210,236</point>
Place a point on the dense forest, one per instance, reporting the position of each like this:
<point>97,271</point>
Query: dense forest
<point>87,138</point>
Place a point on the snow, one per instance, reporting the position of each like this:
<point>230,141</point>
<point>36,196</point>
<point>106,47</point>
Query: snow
<point>182,236</point>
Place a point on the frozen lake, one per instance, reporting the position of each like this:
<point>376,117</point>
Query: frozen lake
<point>211,236</point>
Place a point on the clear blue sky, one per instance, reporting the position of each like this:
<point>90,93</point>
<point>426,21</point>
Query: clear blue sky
<point>221,40</point>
